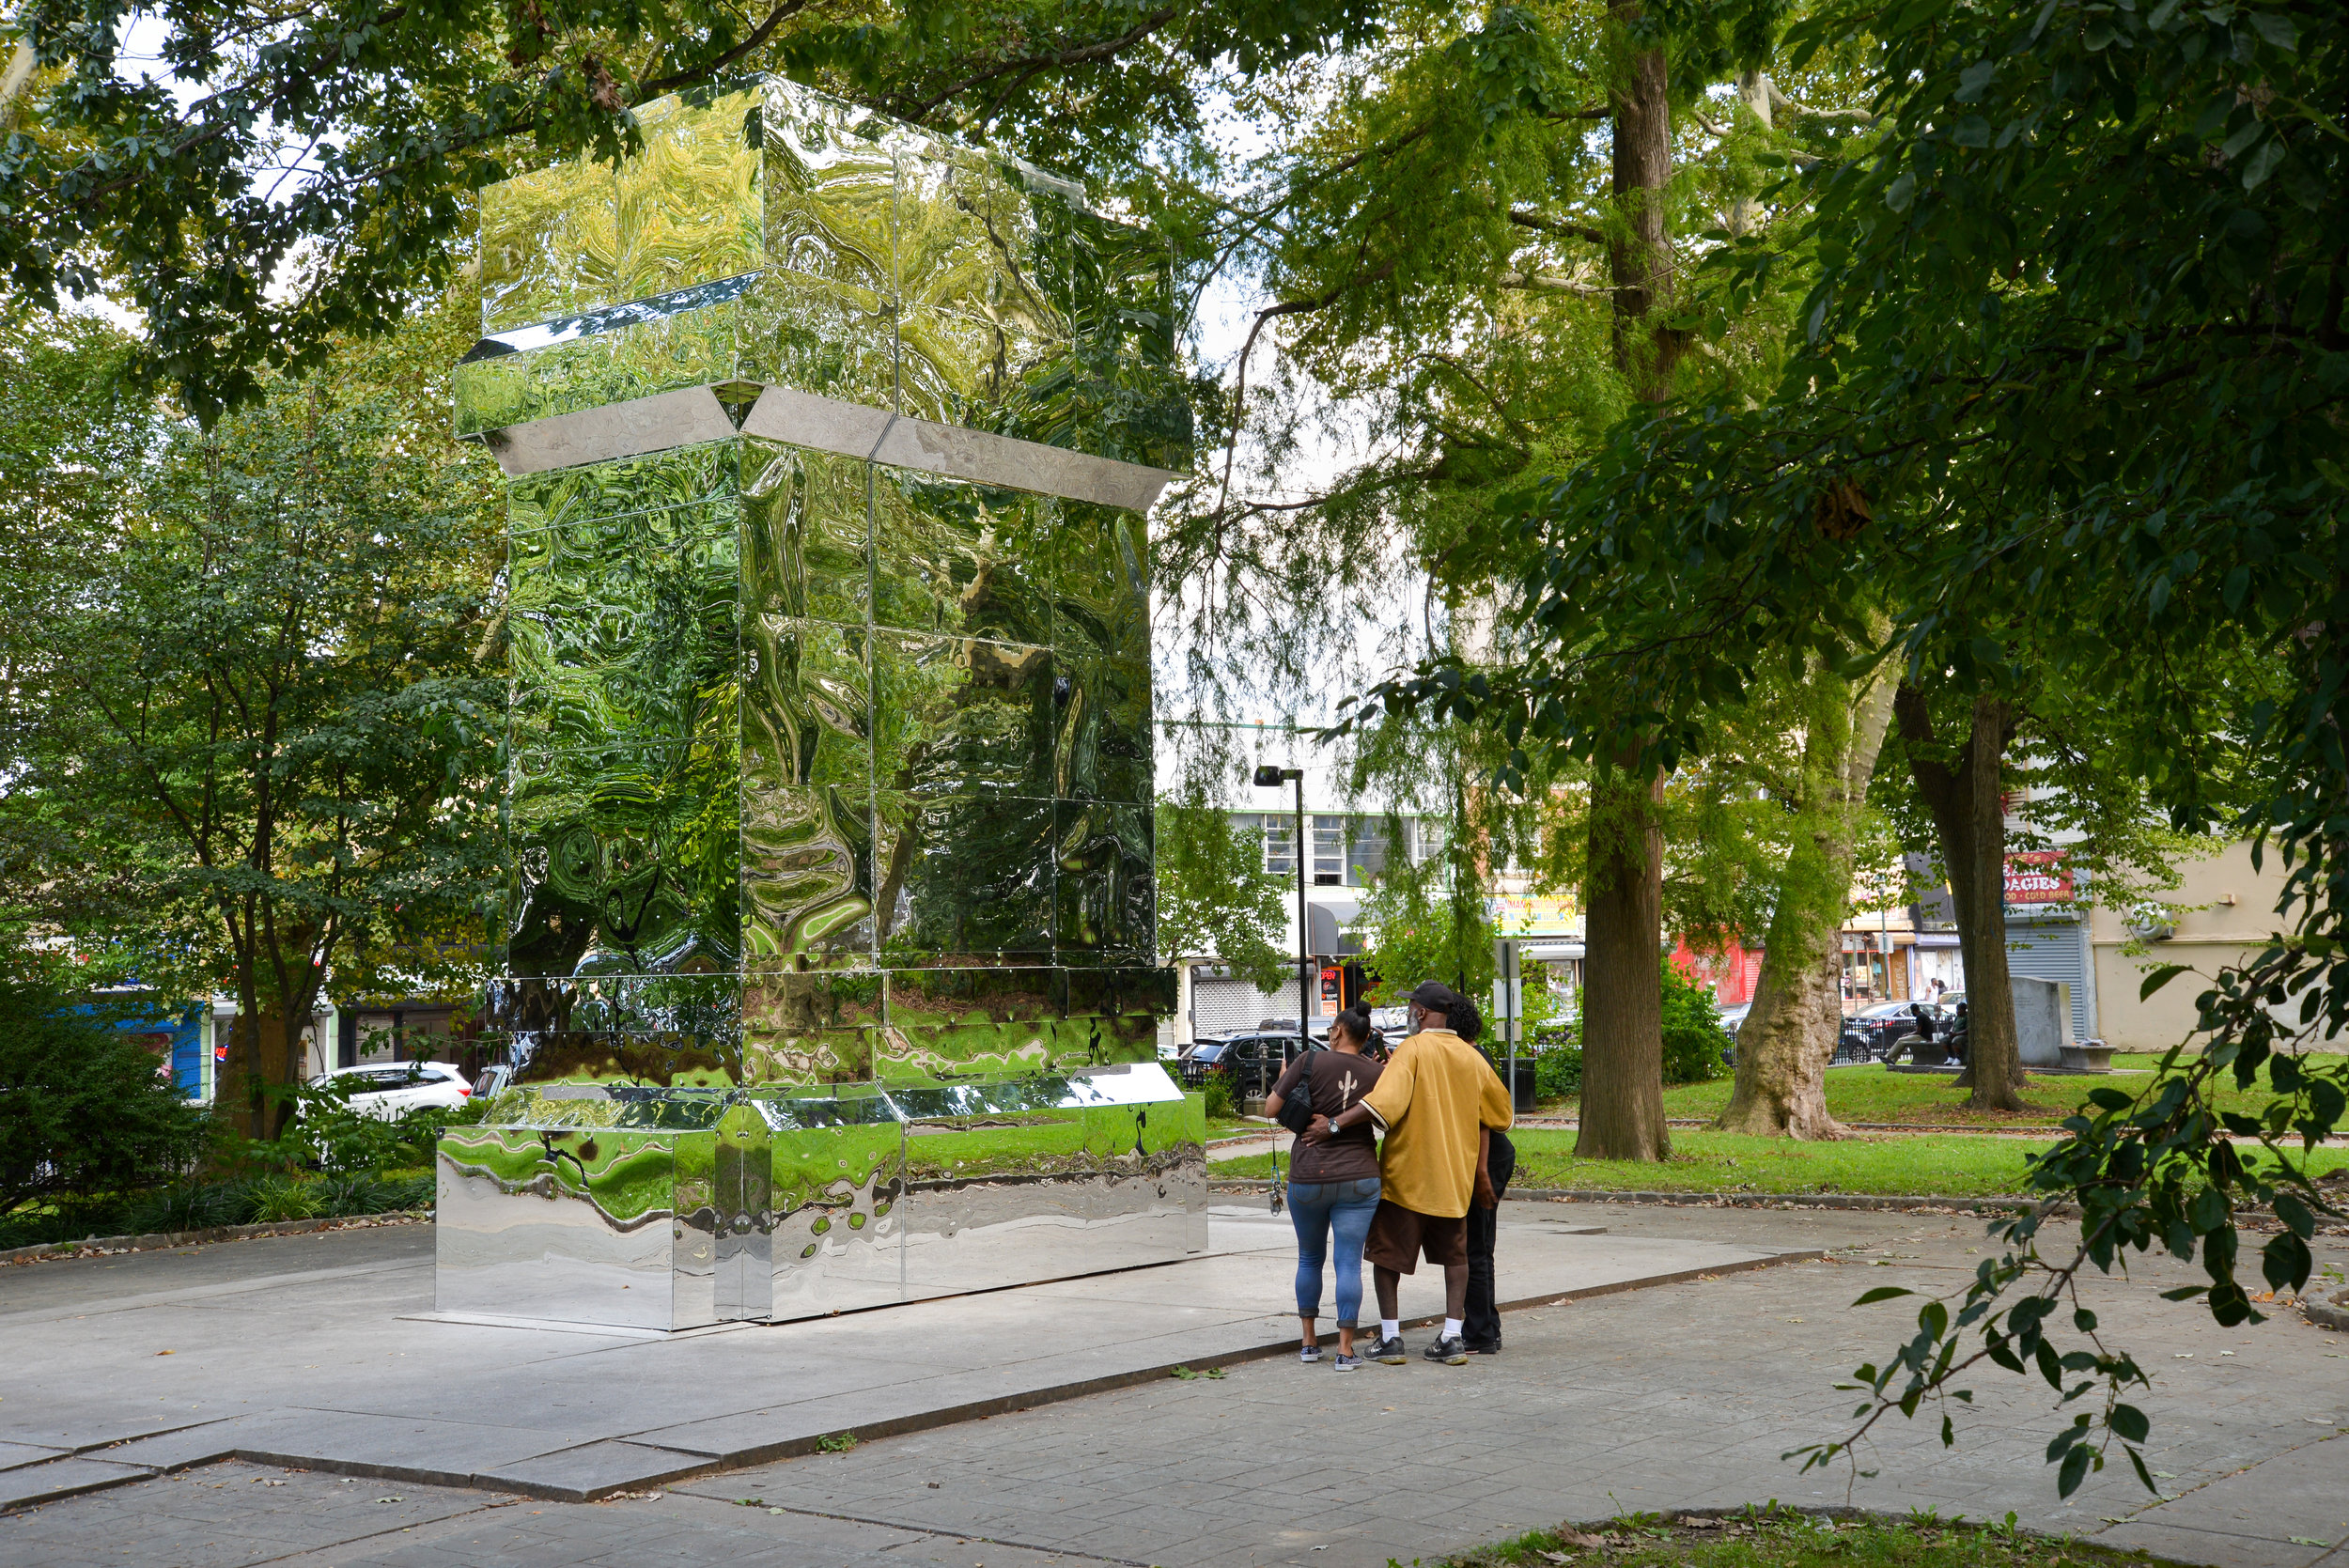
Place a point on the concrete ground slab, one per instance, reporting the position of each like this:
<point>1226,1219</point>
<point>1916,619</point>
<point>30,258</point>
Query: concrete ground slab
<point>1671,1397</point>
<point>356,1375</point>
<point>62,1478</point>
<point>14,1454</point>
<point>394,1448</point>
<point>2290,1510</point>
<point>592,1470</point>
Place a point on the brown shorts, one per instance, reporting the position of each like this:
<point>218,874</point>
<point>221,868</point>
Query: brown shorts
<point>1399,1236</point>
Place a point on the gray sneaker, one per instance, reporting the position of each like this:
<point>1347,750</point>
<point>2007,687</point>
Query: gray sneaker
<point>1309,1354</point>
<point>1449,1350</point>
<point>1389,1351</point>
<point>1348,1363</point>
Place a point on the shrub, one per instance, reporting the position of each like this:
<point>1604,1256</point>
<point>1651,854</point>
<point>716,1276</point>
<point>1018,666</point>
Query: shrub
<point>274,1198</point>
<point>83,1111</point>
<point>1558,1066</point>
<point>1693,1037</point>
<point>1219,1097</point>
<point>327,1134</point>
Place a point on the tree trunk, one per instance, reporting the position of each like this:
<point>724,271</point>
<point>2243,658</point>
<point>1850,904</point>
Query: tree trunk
<point>1622,1031</point>
<point>1622,1041</point>
<point>237,1086</point>
<point>1970,819</point>
<point>1993,1056</point>
<point>1745,215</point>
<point>1641,261</point>
<point>1789,1034</point>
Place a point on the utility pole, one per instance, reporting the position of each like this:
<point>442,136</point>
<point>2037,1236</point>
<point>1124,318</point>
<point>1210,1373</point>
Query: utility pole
<point>1271,776</point>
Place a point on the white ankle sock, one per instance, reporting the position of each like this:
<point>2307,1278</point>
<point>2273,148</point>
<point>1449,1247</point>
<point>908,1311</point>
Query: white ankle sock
<point>1390,1326</point>
<point>1452,1328</point>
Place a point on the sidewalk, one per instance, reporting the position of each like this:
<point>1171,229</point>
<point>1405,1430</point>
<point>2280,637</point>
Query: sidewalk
<point>1668,1397</point>
<point>342,1366</point>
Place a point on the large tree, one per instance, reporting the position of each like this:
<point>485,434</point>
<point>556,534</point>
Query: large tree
<point>1472,234</point>
<point>1792,1029</point>
<point>259,737</point>
<point>2069,355</point>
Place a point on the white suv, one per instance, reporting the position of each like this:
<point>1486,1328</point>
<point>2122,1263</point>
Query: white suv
<point>388,1089</point>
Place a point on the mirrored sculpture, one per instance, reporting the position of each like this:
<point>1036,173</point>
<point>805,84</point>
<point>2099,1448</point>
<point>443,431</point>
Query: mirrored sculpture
<point>829,969</point>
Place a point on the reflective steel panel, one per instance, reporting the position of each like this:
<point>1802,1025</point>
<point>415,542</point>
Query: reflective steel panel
<point>956,1025</point>
<point>1106,897</point>
<point>954,557</point>
<point>634,359</point>
<point>959,717</point>
<point>807,877</point>
<point>586,1225</point>
<point>964,882</point>
<point>1050,1176</point>
<point>805,521</point>
<point>655,482</point>
<point>828,978</point>
<point>624,861</point>
<point>830,191</point>
<point>583,234</point>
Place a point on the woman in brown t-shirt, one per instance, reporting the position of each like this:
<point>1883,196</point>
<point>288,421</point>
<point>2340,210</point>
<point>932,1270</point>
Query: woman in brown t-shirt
<point>1333,1185</point>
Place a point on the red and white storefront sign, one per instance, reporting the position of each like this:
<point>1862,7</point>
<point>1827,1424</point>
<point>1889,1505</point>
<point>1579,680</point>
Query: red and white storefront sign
<point>2038,876</point>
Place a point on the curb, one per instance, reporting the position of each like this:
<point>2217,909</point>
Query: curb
<point>1995,1204</point>
<point>156,1241</point>
<point>809,1443</point>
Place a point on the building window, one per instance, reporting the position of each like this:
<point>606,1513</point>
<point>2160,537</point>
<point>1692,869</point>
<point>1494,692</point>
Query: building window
<point>1280,845</point>
<point>1329,851</point>
<point>1429,836</point>
<point>1366,859</point>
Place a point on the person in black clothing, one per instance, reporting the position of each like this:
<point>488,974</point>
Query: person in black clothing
<point>1480,1325</point>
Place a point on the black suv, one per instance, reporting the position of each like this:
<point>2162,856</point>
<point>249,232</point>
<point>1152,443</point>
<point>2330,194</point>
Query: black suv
<point>1254,1059</point>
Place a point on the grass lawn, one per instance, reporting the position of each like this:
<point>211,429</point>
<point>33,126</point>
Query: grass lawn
<point>1892,1164</point>
<point>1877,1093</point>
<point>1768,1539</point>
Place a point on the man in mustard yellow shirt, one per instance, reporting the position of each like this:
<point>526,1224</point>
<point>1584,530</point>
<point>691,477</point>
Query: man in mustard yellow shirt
<point>1436,1105</point>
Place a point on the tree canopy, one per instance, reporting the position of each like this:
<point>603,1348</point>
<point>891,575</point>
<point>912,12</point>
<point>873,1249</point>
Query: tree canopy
<point>2062,400</point>
<point>257,181</point>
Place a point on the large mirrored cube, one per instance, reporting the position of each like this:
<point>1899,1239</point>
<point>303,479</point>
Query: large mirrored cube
<point>830,976</point>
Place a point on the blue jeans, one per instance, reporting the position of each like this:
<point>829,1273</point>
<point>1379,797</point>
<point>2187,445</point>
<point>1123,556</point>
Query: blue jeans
<point>1317,1209</point>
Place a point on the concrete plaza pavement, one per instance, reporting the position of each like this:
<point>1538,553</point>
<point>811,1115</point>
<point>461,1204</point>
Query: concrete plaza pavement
<point>1675,1396</point>
<point>323,1352</point>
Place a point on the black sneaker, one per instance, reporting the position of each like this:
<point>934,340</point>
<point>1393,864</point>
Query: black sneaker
<point>1389,1350</point>
<point>1449,1350</point>
<point>1488,1347</point>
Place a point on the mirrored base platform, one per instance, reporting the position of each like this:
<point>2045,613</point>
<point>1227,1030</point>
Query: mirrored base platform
<point>666,1209</point>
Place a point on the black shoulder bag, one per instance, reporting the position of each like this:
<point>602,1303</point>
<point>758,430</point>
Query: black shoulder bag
<point>1297,1112</point>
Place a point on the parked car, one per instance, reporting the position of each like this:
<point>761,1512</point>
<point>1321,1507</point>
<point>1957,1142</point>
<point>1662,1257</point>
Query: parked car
<point>1882,1024</point>
<point>390,1089</point>
<point>1254,1059</point>
<point>492,1078</point>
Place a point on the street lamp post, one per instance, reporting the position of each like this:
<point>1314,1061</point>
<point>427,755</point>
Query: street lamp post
<point>1271,776</point>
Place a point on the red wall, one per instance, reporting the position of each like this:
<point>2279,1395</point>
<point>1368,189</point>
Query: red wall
<point>1732,972</point>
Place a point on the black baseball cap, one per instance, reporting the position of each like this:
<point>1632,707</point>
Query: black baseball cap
<point>1436,995</point>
